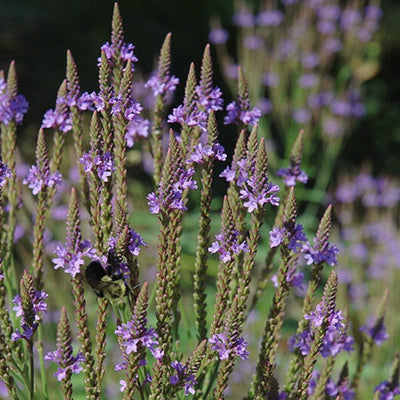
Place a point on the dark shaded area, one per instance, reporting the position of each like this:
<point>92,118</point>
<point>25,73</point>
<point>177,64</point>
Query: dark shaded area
<point>37,34</point>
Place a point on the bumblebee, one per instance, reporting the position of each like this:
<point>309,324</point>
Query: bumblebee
<point>107,282</point>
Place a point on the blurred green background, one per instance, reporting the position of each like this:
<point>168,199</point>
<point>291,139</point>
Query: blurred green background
<point>36,34</point>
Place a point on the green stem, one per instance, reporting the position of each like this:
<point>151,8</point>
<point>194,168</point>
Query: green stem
<point>39,347</point>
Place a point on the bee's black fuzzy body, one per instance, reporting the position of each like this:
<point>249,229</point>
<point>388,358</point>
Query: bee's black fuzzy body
<point>106,282</point>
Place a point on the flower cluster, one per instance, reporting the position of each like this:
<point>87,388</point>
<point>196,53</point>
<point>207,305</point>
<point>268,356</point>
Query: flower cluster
<point>335,338</point>
<point>13,106</point>
<point>239,113</point>
<point>255,188</point>
<point>118,52</point>
<point>135,336</point>
<point>61,117</point>
<point>292,174</point>
<point>183,378</point>
<point>4,173</point>
<point>159,85</point>
<point>376,330</point>
<point>170,197</point>
<point>227,347</point>
<point>292,233</point>
<point>227,244</point>
<point>73,364</point>
<point>101,164</point>
<point>29,313</point>
<point>203,153</point>
<point>317,255</point>
<point>40,178</point>
<point>71,257</point>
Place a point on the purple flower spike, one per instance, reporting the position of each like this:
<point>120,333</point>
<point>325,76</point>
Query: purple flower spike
<point>183,378</point>
<point>315,255</point>
<point>13,107</point>
<point>375,330</point>
<point>228,347</point>
<point>4,173</point>
<point>203,153</point>
<point>237,114</point>
<point>102,164</point>
<point>228,244</point>
<point>29,321</point>
<point>71,257</point>
<point>37,180</point>
<point>159,85</point>
<point>387,390</point>
<point>73,364</point>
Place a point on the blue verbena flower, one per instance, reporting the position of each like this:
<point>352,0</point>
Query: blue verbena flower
<point>227,244</point>
<point>137,129</point>
<point>342,390</point>
<point>316,255</point>
<point>227,347</point>
<point>4,173</point>
<point>123,51</point>
<point>61,117</point>
<point>40,178</point>
<point>244,114</point>
<point>135,241</point>
<point>335,339</point>
<point>255,188</point>
<point>293,233</point>
<point>387,390</point>
<point>71,257</point>
<point>218,36</point>
<point>170,194</point>
<point>31,317</point>
<point>90,101</point>
<point>162,85</point>
<point>376,330</point>
<point>203,153</point>
<point>292,174</point>
<point>135,336</point>
<point>70,363</point>
<point>183,378</point>
<point>102,164</point>
<point>13,106</point>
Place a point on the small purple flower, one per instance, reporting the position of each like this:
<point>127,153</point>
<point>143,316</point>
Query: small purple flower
<point>375,330</point>
<point>183,378</point>
<point>243,19</point>
<point>135,336</point>
<point>4,173</point>
<point>387,390</point>
<point>60,118</point>
<point>203,153</point>
<point>159,85</point>
<point>183,116</point>
<point>73,364</point>
<point>124,51</point>
<point>102,164</point>
<point>335,339</point>
<point>38,179</point>
<point>293,234</point>
<point>170,194</point>
<point>137,128</point>
<point>241,114</point>
<point>29,319</point>
<point>70,257</point>
<point>90,101</point>
<point>13,107</point>
<point>135,241</point>
<point>210,99</point>
<point>292,174</point>
<point>227,244</point>
<point>253,42</point>
<point>302,115</point>
<point>218,36</point>
<point>316,255</point>
<point>342,390</point>
<point>270,18</point>
<point>227,347</point>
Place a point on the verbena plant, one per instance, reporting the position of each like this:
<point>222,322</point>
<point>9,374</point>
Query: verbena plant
<point>171,342</point>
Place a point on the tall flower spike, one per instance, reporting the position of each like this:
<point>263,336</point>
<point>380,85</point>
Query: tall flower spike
<point>28,306</point>
<point>388,389</point>
<point>324,321</point>
<point>240,112</point>
<point>293,173</point>
<point>372,336</point>
<point>261,385</point>
<point>72,257</point>
<point>68,364</point>
<point>161,84</point>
